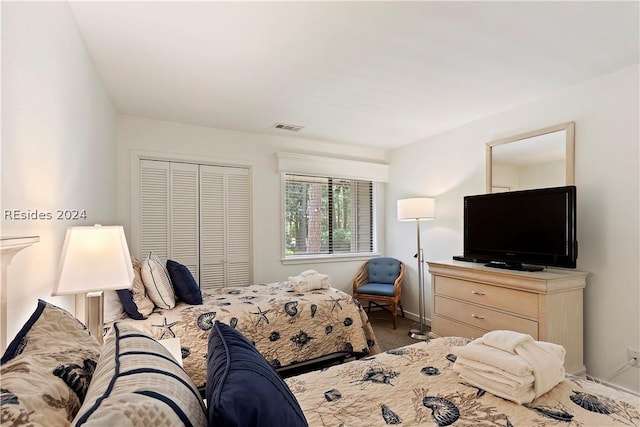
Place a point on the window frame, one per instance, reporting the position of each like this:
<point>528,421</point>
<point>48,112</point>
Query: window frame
<point>328,257</point>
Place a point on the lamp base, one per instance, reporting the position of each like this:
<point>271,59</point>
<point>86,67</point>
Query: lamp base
<point>89,309</point>
<point>419,335</point>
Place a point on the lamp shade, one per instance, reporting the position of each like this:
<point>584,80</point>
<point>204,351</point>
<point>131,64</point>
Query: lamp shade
<point>94,259</point>
<point>416,208</point>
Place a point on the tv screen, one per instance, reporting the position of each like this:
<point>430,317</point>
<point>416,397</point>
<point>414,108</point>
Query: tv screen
<point>519,229</point>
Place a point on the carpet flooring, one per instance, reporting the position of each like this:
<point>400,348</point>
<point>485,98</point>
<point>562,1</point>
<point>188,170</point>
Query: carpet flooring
<point>388,338</point>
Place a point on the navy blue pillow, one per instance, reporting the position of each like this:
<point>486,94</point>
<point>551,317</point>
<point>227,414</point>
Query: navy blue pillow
<point>130,307</point>
<point>184,285</point>
<point>242,388</point>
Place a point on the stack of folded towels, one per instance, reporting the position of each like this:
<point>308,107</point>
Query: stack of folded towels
<point>510,365</point>
<point>310,280</point>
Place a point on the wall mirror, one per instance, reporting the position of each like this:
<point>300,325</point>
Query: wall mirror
<point>537,159</point>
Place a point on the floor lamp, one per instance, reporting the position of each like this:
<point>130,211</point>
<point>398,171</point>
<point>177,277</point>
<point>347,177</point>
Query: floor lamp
<point>418,209</point>
<point>94,259</point>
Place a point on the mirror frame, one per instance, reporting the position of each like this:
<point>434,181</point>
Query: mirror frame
<point>569,127</point>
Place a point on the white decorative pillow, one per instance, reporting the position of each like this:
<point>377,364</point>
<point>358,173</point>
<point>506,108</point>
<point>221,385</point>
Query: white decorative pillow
<point>138,382</point>
<point>112,306</point>
<point>157,282</point>
<point>135,301</point>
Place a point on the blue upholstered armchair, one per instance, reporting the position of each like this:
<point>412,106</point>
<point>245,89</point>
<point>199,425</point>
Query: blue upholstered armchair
<point>379,281</point>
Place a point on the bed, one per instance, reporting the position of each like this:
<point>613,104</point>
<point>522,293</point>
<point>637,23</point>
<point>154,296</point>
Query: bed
<point>294,331</point>
<point>415,385</point>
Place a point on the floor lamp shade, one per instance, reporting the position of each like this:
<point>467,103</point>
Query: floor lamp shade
<point>94,258</point>
<point>416,208</point>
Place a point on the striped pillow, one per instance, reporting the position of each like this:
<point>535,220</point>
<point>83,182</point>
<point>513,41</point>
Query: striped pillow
<point>157,282</point>
<point>138,382</point>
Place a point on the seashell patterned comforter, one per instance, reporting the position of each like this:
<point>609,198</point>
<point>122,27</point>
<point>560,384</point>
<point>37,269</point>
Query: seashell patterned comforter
<point>415,385</point>
<point>287,327</point>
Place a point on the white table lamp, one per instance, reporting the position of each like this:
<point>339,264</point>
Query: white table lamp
<point>94,259</point>
<point>418,209</point>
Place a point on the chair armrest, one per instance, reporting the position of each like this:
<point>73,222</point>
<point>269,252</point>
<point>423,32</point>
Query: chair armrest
<point>397,284</point>
<point>360,278</point>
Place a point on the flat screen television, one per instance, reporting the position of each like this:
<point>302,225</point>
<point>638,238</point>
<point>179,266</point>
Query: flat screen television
<point>522,230</point>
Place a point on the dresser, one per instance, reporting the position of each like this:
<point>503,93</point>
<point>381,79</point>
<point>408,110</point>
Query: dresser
<point>469,299</point>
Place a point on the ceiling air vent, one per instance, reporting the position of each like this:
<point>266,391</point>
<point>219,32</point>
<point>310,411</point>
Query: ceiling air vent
<point>285,126</point>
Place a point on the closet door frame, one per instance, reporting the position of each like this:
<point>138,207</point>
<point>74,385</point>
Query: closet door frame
<point>136,156</point>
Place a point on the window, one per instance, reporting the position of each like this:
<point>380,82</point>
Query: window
<point>327,216</point>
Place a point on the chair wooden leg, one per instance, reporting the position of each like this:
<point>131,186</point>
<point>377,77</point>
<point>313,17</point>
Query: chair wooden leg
<point>401,310</point>
<point>394,312</point>
<point>369,308</point>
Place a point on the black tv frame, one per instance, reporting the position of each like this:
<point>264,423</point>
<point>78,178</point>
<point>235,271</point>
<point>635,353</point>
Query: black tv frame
<point>518,257</point>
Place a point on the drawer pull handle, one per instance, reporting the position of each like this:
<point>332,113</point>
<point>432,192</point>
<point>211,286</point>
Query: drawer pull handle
<point>475,316</point>
<point>478,293</point>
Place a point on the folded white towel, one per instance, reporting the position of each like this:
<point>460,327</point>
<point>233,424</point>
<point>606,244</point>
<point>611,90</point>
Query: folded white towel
<point>310,280</point>
<point>494,357</point>
<point>308,273</point>
<point>494,373</point>
<point>504,340</point>
<point>523,394</point>
<point>519,355</point>
<point>547,361</point>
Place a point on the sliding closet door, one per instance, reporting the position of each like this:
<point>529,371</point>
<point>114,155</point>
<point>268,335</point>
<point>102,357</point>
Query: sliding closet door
<point>154,208</point>
<point>199,216</point>
<point>238,264</point>
<point>213,222</point>
<point>225,226</point>
<point>183,216</point>
<point>169,212</point>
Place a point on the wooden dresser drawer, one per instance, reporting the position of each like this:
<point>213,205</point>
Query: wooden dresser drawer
<point>483,317</point>
<point>512,300</point>
<point>444,327</point>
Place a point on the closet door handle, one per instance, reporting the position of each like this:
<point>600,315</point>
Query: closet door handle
<point>475,316</point>
<point>478,293</point>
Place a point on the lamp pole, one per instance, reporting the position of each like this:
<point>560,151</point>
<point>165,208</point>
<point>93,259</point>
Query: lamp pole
<point>420,334</point>
<point>418,208</point>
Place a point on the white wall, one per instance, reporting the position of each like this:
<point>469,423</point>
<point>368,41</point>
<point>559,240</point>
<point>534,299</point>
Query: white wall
<point>58,144</point>
<point>230,147</point>
<point>451,165</point>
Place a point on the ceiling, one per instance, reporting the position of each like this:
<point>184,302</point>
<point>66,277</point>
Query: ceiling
<point>382,74</point>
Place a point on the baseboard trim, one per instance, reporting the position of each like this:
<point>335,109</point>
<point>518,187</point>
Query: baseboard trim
<point>416,318</point>
<point>407,314</point>
<point>609,384</point>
